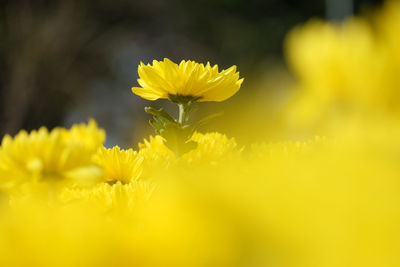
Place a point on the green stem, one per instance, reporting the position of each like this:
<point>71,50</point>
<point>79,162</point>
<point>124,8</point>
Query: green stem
<point>182,114</point>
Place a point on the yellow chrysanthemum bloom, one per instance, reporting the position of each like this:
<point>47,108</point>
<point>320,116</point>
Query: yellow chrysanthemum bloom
<point>88,136</point>
<point>157,156</point>
<point>106,196</point>
<point>355,72</point>
<point>187,81</point>
<point>45,155</point>
<point>348,66</point>
<point>154,149</point>
<point>211,148</point>
<point>285,149</point>
<point>119,165</point>
<point>121,187</point>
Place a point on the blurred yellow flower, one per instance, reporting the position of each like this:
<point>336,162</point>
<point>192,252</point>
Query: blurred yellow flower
<point>187,81</point>
<point>88,136</point>
<point>107,197</point>
<point>347,68</point>
<point>157,156</point>
<point>388,25</point>
<point>44,155</point>
<point>211,148</point>
<point>119,165</point>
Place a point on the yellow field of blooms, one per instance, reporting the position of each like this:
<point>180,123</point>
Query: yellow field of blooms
<point>187,198</point>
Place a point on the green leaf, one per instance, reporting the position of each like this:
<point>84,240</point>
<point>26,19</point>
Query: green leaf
<point>207,119</point>
<point>161,113</point>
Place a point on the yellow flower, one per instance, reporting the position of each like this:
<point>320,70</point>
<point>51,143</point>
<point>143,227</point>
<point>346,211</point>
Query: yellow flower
<point>88,136</point>
<point>119,165</point>
<point>157,156</point>
<point>44,155</point>
<point>187,81</point>
<point>355,72</point>
<point>211,148</point>
<point>117,195</point>
<point>285,149</point>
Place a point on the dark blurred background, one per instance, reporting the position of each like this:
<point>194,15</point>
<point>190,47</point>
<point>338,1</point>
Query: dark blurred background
<point>63,62</point>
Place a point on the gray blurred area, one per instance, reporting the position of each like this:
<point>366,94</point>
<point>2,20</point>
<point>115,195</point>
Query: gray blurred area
<point>63,62</point>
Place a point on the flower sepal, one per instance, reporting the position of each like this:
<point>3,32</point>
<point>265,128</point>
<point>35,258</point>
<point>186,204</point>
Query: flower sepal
<point>183,99</point>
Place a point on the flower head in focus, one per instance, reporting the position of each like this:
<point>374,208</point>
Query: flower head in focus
<point>188,81</point>
<point>119,165</point>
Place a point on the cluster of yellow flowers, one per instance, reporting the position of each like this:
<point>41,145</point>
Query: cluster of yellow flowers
<point>187,198</point>
<point>348,68</point>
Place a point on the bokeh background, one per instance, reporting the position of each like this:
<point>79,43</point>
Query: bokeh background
<point>66,61</point>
